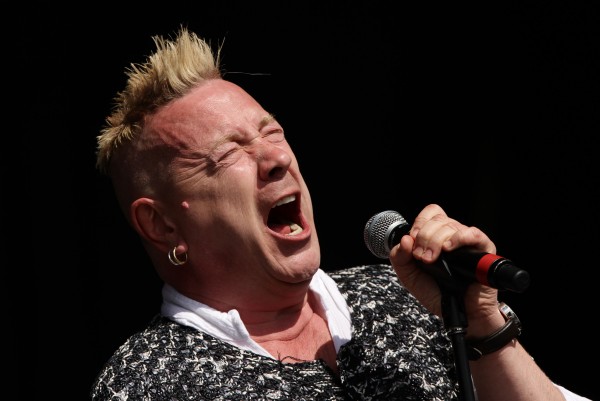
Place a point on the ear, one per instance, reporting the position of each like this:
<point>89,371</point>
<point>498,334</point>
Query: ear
<point>152,225</point>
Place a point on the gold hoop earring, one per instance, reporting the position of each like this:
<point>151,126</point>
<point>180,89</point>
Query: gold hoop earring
<point>174,259</point>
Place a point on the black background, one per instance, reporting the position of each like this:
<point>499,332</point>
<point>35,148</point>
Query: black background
<point>489,110</point>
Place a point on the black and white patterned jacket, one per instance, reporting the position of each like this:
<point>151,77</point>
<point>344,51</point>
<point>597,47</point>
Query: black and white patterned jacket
<point>398,351</point>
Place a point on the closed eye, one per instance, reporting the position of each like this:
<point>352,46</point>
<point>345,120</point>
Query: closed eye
<point>275,136</point>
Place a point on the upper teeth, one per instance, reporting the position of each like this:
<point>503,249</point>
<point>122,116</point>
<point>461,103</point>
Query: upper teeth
<point>285,200</point>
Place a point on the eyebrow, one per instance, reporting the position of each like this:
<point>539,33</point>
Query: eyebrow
<point>266,120</point>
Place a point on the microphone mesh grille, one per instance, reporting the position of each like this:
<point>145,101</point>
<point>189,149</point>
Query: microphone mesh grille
<point>376,232</point>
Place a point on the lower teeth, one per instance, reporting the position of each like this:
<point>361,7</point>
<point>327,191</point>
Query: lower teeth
<point>296,229</point>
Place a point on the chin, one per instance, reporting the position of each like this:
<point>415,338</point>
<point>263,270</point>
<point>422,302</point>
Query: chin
<point>301,268</point>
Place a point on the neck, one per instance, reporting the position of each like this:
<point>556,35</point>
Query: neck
<point>282,325</point>
<point>297,335</point>
<point>256,303</point>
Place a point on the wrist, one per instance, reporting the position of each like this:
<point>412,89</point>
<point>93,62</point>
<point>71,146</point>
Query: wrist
<point>498,339</point>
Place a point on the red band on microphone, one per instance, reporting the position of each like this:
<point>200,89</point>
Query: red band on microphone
<point>483,267</point>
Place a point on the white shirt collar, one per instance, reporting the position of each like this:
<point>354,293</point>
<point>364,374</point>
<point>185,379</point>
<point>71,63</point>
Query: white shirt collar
<point>228,326</point>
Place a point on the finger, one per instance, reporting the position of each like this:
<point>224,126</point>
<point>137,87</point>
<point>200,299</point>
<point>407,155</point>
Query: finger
<point>469,236</point>
<point>428,213</point>
<point>432,234</point>
<point>401,254</point>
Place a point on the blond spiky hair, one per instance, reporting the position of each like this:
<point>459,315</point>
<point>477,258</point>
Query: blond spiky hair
<point>169,73</point>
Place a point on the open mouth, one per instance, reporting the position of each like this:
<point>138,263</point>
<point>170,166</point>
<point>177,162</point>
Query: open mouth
<point>284,217</point>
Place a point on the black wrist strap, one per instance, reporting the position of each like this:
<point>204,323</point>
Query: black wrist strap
<point>476,348</point>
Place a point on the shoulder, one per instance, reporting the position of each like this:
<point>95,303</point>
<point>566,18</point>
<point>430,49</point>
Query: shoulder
<point>141,346</point>
<point>379,279</point>
<point>159,351</point>
<point>374,293</point>
<point>364,273</point>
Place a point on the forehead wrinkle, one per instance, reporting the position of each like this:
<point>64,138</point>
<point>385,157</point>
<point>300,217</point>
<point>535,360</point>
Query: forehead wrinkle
<point>189,163</point>
<point>236,136</point>
<point>175,136</point>
<point>180,135</point>
<point>174,132</point>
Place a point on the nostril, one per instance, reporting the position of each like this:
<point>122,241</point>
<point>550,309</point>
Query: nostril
<point>276,172</point>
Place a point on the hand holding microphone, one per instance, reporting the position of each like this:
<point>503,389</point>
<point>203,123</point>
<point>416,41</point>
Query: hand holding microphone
<point>457,268</point>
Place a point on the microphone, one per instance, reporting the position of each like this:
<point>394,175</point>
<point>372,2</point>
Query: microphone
<point>456,268</point>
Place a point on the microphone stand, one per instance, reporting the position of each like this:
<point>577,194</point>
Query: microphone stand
<point>455,321</point>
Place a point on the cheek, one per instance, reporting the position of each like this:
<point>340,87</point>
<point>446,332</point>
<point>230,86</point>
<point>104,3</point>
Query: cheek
<point>307,203</point>
<point>227,190</point>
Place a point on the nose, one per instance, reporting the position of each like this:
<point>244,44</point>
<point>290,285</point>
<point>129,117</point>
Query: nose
<point>273,161</point>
